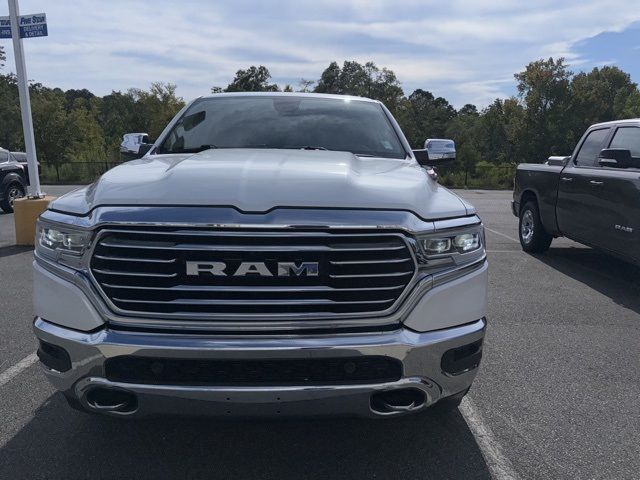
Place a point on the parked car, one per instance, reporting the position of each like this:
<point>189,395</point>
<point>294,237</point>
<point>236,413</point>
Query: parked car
<point>131,143</point>
<point>592,196</point>
<point>439,148</point>
<point>13,179</point>
<point>273,254</point>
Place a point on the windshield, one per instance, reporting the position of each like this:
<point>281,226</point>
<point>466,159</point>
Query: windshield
<point>347,125</point>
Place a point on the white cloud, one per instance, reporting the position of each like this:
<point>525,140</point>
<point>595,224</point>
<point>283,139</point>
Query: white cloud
<point>466,51</point>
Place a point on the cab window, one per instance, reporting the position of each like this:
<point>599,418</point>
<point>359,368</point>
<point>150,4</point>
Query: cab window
<point>590,148</point>
<point>627,138</point>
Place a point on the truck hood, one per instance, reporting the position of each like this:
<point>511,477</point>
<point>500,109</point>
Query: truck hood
<point>256,181</point>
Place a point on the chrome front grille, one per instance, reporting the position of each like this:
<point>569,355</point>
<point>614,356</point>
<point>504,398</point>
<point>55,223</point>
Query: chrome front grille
<point>144,273</point>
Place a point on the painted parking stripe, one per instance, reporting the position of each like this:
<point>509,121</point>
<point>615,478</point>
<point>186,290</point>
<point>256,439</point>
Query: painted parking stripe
<point>499,465</point>
<point>501,234</point>
<point>15,370</point>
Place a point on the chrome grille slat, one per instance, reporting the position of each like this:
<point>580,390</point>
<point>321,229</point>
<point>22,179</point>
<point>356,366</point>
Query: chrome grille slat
<point>371,262</point>
<point>191,301</point>
<point>135,274</point>
<point>374,275</point>
<point>244,248</point>
<point>131,259</point>
<point>361,273</point>
<point>206,288</point>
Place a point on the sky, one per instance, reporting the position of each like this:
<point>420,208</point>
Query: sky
<point>465,51</point>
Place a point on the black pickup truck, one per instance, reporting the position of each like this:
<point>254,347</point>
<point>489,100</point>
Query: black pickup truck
<point>14,178</point>
<point>592,197</point>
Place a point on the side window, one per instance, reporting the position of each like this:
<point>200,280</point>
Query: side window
<point>591,147</point>
<point>627,138</point>
<point>4,156</point>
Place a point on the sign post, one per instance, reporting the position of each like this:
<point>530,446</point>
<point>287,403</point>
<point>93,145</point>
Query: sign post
<point>25,27</point>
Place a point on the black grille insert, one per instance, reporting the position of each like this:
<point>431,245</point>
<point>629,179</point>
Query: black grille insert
<point>284,372</point>
<point>146,272</point>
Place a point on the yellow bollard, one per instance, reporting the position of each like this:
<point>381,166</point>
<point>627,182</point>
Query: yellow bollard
<point>26,211</point>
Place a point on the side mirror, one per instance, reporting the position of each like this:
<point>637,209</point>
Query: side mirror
<point>423,158</point>
<point>143,149</point>
<point>615,158</point>
<point>558,161</point>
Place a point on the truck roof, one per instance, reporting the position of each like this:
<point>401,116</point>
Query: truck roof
<point>631,121</point>
<point>289,94</point>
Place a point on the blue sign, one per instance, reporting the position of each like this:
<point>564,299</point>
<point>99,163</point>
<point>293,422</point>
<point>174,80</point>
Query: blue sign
<point>5,27</point>
<point>30,26</point>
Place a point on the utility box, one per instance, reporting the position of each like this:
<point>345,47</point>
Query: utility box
<point>26,211</point>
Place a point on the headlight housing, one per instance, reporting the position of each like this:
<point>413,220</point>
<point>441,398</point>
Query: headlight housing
<point>61,243</point>
<point>451,247</point>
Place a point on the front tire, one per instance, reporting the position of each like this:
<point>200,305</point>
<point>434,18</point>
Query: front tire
<point>13,191</point>
<point>532,235</point>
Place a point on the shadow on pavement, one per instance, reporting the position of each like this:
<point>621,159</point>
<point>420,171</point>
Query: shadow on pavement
<point>614,278</point>
<point>13,250</point>
<point>62,443</point>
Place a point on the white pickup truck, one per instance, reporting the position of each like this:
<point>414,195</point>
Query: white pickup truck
<point>272,254</point>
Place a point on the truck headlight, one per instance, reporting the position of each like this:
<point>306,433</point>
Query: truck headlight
<point>451,248</point>
<point>61,243</point>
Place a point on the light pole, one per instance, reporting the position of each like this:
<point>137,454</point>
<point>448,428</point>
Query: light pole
<point>25,101</point>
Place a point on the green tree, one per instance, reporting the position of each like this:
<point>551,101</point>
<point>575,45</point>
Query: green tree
<point>253,79</point>
<point>632,106</point>
<point>544,89</point>
<point>10,120</point>
<point>424,116</point>
<point>305,85</point>
<point>50,126</point>
<point>329,80</point>
<point>155,108</point>
<point>598,96</point>
<point>362,80</point>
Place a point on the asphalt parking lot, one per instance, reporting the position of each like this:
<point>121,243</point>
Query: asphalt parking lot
<point>557,395</point>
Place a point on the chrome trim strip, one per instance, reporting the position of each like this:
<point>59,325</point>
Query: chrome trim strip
<point>283,218</point>
<point>440,225</point>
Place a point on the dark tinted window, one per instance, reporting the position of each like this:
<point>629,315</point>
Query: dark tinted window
<point>591,148</point>
<point>627,138</point>
<point>4,155</point>
<point>19,156</point>
<point>285,122</point>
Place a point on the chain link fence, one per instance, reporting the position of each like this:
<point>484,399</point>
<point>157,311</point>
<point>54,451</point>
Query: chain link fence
<point>483,175</point>
<point>74,172</point>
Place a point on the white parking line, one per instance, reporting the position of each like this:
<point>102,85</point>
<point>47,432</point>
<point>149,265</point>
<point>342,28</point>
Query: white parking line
<point>11,372</point>
<point>499,465</point>
<point>501,234</point>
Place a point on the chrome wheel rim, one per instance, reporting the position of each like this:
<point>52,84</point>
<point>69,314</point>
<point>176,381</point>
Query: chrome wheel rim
<point>13,194</point>
<point>526,226</point>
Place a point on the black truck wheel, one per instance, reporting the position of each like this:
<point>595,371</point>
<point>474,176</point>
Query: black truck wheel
<point>533,237</point>
<point>13,191</point>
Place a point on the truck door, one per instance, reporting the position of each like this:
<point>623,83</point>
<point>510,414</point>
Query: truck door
<point>579,205</point>
<point>619,225</point>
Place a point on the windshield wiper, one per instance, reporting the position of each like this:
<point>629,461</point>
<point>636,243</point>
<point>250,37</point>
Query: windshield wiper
<point>201,148</point>
<point>305,147</point>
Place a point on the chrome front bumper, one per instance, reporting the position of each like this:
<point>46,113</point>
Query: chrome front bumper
<point>420,355</point>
